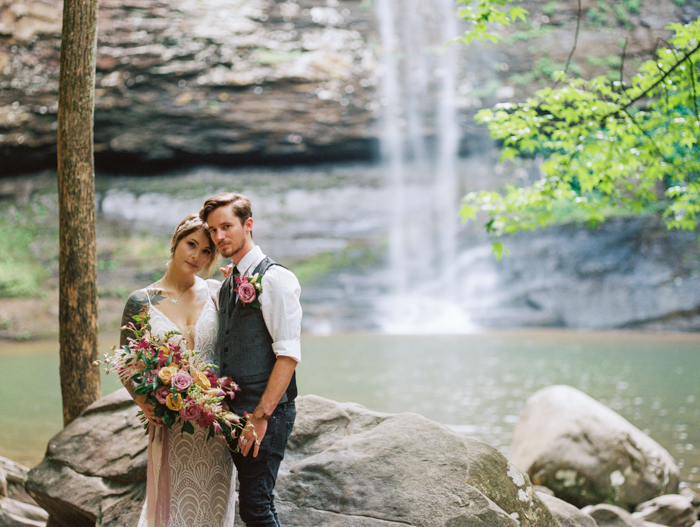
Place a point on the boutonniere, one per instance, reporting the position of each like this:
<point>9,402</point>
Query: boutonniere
<point>248,289</point>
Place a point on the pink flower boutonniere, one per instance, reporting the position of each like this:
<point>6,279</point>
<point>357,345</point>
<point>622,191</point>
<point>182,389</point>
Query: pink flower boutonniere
<point>248,289</point>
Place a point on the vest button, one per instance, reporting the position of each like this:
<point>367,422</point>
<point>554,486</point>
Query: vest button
<point>226,349</point>
<point>227,331</point>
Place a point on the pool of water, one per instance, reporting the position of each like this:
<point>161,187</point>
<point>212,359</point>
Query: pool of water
<point>476,384</point>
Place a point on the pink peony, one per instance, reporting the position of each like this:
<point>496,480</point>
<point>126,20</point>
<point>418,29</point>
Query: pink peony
<point>190,410</point>
<point>161,394</point>
<point>246,292</point>
<point>181,381</point>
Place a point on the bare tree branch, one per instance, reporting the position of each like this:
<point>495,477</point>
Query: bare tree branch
<point>573,49</point>
<point>660,80</point>
<point>622,62</point>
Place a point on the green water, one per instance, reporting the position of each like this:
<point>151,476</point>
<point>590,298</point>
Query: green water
<point>476,384</point>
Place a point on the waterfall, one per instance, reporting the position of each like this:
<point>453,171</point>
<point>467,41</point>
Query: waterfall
<point>420,146</point>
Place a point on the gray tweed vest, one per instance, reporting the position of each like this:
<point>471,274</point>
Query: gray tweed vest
<point>245,347</point>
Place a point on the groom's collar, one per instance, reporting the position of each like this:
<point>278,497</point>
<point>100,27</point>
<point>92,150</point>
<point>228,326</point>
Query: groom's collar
<point>250,261</point>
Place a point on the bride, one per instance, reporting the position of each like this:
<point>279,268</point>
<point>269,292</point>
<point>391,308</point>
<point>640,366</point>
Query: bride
<point>190,479</point>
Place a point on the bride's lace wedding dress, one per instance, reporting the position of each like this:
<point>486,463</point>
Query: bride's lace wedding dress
<point>191,478</point>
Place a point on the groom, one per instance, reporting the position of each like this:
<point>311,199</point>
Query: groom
<point>259,348</point>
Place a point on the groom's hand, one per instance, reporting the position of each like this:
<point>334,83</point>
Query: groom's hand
<point>251,439</point>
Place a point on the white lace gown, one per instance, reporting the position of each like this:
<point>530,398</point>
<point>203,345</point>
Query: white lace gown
<point>201,470</point>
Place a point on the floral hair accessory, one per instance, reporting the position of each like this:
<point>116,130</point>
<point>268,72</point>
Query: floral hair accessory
<point>248,289</point>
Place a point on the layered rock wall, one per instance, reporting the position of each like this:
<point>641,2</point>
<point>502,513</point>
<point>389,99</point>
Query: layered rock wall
<point>243,81</point>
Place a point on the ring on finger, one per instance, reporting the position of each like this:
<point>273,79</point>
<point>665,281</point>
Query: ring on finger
<point>244,441</point>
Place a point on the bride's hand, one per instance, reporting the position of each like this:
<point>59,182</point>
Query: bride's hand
<point>148,410</point>
<point>227,270</point>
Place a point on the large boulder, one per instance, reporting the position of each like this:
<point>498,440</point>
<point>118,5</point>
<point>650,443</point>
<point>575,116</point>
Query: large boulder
<point>588,454</point>
<point>94,471</point>
<point>345,466</point>
<point>349,466</point>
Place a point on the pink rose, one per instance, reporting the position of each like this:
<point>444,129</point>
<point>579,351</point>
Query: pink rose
<point>246,292</point>
<point>190,410</point>
<point>181,381</point>
<point>161,394</point>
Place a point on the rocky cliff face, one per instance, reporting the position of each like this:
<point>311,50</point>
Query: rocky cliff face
<point>271,81</point>
<point>243,81</point>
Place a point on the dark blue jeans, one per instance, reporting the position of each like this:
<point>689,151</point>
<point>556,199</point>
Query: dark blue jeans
<point>257,475</point>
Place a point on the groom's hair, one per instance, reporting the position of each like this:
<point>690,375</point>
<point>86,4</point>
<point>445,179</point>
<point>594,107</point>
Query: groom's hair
<point>240,205</point>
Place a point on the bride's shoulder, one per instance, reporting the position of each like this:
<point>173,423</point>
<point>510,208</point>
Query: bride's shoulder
<point>138,301</point>
<point>136,306</point>
<point>213,286</point>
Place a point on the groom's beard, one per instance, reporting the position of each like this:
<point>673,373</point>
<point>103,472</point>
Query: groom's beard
<point>230,250</point>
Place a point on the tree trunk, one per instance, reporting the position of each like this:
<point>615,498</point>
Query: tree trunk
<point>78,332</point>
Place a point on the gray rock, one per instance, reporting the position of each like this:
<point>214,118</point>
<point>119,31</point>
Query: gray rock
<point>94,470</point>
<point>612,516</point>
<point>566,514</point>
<point>588,454</point>
<point>374,468</point>
<point>630,273</point>
<point>693,496</point>
<point>17,508</point>
<point>15,513</point>
<point>345,466</point>
<point>673,510</point>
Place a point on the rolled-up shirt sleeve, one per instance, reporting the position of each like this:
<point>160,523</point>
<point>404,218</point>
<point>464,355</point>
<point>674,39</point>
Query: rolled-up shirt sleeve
<point>281,310</point>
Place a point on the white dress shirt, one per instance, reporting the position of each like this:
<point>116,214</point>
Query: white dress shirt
<point>279,303</point>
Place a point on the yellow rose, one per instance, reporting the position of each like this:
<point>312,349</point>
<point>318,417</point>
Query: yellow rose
<point>167,373</point>
<point>174,401</point>
<point>201,380</point>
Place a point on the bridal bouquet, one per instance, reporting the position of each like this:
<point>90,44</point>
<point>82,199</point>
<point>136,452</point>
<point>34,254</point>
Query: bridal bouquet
<point>166,373</point>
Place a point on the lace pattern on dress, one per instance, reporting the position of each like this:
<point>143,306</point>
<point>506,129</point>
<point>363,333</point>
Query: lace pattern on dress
<point>201,470</point>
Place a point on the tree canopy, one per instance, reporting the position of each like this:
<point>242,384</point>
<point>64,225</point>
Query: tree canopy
<point>605,144</point>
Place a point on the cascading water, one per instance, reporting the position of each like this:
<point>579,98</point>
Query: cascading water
<point>420,147</point>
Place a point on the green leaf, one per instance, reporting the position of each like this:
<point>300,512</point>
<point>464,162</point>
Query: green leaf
<point>498,250</point>
<point>187,427</point>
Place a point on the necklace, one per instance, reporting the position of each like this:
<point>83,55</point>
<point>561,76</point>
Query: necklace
<point>174,300</point>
